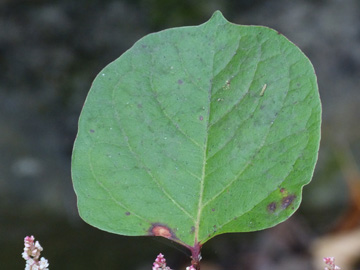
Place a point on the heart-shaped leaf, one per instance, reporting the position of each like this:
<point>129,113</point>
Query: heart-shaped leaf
<point>198,131</point>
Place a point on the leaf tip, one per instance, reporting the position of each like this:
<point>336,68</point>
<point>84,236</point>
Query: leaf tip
<point>218,17</point>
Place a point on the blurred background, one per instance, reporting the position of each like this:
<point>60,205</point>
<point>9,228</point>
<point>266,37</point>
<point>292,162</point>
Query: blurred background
<point>50,51</point>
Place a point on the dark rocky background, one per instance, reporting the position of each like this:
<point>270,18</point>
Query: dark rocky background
<point>50,51</point>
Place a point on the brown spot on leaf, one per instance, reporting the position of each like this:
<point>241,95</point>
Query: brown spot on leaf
<point>192,229</point>
<point>127,213</point>
<point>213,209</point>
<point>92,131</point>
<point>139,106</point>
<point>287,201</point>
<point>180,81</point>
<point>201,118</point>
<point>282,190</point>
<point>158,229</point>
<point>271,207</point>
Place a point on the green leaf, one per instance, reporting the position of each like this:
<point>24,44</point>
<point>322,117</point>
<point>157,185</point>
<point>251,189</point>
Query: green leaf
<point>197,131</point>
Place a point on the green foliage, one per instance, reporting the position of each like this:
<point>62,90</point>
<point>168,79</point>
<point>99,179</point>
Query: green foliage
<point>198,131</point>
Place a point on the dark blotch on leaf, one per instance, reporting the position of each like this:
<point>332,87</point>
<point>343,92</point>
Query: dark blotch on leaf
<point>282,190</point>
<point>180,81</point>
<point>201,118</point>
<point>213,209</point>
<point>271,207</point>
<point>192,229</point>
<point>127,213</point>
<point>92,131</point>
<point>158,229</point>
<point>287,201</point>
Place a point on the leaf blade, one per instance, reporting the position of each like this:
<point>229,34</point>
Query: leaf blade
<point>180,133</point>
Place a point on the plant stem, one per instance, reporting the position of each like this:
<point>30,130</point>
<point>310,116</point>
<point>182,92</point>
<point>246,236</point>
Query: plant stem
<point>196,256</point>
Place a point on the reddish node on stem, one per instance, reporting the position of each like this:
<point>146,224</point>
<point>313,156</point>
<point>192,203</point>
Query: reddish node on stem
<point>195,256</point>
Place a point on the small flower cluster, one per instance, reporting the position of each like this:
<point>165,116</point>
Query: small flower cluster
<point>31,255</point>
<point>330,264</point>
<point>160,263</point>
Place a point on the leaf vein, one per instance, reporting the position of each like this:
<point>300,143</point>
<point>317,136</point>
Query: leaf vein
<point>147,170</point>
<point>249,162</point>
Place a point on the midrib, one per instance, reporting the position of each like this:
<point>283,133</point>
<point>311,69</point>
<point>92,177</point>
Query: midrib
<point>202,182</point>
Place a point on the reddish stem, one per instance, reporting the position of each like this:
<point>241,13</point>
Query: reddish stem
<point>196,256</point>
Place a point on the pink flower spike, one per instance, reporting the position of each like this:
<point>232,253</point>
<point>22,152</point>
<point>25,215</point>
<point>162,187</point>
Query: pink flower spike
<point>330,264</point>
<point>160,263</point>
<point>329,260</point>
<point>31,255</point>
